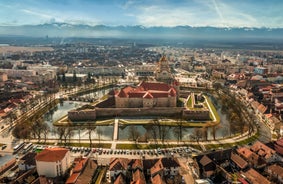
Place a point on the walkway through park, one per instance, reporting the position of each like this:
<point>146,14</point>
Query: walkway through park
<point>115,133</point>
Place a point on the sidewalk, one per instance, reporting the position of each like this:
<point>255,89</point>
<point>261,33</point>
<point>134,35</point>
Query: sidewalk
<point>115,142</point>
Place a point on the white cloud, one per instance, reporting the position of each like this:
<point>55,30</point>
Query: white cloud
<point>199,13</point>
<point>162,16</point>
<point>40,14</point>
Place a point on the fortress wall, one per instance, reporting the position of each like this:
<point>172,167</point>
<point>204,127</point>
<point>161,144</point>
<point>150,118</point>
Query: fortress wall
<point>92,114</point>
<point>196,114</point>
<point>110,112</point>
<point>82,115</point>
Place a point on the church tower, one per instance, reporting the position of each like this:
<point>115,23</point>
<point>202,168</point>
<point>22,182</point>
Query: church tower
<point>163,72</point>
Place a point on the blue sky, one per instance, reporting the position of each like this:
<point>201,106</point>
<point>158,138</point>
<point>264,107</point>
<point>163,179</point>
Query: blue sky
<point>219,13</point>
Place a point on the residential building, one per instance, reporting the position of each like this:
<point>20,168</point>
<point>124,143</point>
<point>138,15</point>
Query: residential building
<point>275,171</point>
<point>27,162</point>
<point>53,162</point>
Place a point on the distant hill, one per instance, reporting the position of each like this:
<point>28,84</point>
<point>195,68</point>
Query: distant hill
<point>140,32</point>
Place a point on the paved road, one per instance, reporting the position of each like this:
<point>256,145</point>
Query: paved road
<point>264,133</point>
<point>185,170</point>
<point>115,133</point>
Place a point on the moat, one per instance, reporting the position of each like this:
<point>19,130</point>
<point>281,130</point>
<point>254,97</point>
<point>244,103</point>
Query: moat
<point>106,132</point>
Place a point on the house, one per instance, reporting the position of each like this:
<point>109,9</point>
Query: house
<point>207,165</point>
<point>87,172</point>
<point>53,162</point>
<point>275,171</point>
<point>157,179</point>
<point>139,171</point>
<point>278,146</point>
<point>265,152</point>
<point>117,166</point>
<point>254,177</point>
<point>164,167</point>
<point>138,177</point>
<point>27,162</point>
<point>120,179</point>
<point>138,164</point>
<point>252,158</point>
<point>238,161</point>
<point>80,164</point>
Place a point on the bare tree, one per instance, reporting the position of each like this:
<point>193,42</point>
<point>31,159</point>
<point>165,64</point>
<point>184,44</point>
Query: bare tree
<point>60,131</point>
<point>154,133</point>
<point>90,129</point>
<point>99,132</point>
<point>178,130</point>
<point>214,129</point>
<point>22,131</point>
<point>164,133</point>
<point>197,134</point>
<point>133,133</point>
<point>45,131</point>
<point>204,133</point>
<point>37,128</point>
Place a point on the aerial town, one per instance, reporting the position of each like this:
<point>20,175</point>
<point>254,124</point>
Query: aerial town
<point>90,113</point>
<point>141,92</point>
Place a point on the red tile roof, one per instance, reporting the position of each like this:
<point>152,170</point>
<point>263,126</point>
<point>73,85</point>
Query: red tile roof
<point>148,95</point>
<point>119,164</point>
<point>245,152</point>
<point>137,94</point>
<point>73,178</point>
<point>51,154</point>
<point>120,180</point>
<point>138,177</point>
<point>205,160</point>
<point>279,149</point>
<point>154,86</point>
<point>157,179</point>
<point>280,142</point>
<point>255,178</point>
<point>158,166</point>
<point>80,163</point>
<point>155,90</point>
<point>137,164</point>
<point>238,160</point>
<point>262,150</point>
<point>276,170</point>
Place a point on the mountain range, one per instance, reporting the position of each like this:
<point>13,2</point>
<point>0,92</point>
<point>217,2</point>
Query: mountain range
<point>140,32</point>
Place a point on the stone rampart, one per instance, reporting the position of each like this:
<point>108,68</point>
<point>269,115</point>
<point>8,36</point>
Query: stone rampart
<point>82,115</point>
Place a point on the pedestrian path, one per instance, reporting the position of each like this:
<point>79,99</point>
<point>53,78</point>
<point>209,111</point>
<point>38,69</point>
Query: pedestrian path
<point>115,133</point>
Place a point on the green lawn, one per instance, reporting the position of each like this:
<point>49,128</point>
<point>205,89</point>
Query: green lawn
<point>189,102</point>
<point>230,145</point>
<point>148,146</point>
<point>213,110</point>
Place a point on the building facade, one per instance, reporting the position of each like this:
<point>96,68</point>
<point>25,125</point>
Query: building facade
<point>53,162</point>
<point>146,95</point>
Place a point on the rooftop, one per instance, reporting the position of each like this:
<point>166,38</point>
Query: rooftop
<point>51,154</point>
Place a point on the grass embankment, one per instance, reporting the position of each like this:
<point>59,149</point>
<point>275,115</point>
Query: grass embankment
<point>189,103</point>
<point>152,146</point>
<point>87,145</point>
<point>230,145</point>
<point>64,121</point>
<point>167,122</point>
<point>213,110</point>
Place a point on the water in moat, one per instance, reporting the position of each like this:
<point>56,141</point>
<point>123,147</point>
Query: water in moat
<point>125,132</point>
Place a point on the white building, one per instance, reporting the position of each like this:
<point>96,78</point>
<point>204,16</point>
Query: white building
<point>52,162</point>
